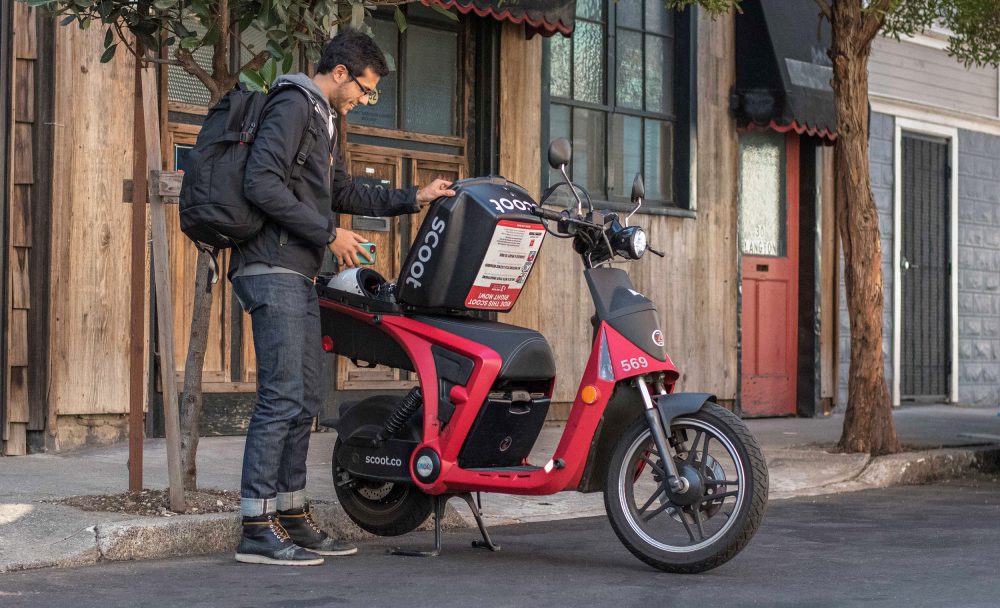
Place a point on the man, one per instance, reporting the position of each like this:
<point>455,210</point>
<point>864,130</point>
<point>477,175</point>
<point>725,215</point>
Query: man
<point>273,278</point>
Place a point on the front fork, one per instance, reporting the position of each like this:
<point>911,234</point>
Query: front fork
<point>676,483</point>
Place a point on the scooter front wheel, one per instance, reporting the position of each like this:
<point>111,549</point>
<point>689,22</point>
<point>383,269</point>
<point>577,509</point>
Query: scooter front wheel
<point>713,520</point>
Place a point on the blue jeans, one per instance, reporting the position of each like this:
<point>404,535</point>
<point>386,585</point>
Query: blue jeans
<point>290,388</point>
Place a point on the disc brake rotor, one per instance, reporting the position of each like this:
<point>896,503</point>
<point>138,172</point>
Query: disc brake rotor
<point>375,491</point>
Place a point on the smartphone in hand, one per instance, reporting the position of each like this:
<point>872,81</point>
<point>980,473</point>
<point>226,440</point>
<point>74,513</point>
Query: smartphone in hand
<point>370,248</point>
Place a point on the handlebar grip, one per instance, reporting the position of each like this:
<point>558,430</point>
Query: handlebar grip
<point>546,214</point>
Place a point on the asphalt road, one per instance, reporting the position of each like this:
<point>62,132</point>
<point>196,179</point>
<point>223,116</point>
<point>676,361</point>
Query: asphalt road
<point>910,546</point>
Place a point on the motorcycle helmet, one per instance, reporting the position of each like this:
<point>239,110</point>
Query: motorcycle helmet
<point>361,281</point>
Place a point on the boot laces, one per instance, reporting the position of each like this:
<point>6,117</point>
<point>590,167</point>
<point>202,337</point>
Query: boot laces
<point>312,522</point>
<point>278,530</point>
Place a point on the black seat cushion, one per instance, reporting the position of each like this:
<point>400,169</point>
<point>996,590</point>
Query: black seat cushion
<point>525,353</point>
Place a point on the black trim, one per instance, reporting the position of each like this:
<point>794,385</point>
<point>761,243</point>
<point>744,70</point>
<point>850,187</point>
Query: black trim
<point>41,225</point>
<point>810,246</point>
<point>484,136</point>
<point>6,64</point>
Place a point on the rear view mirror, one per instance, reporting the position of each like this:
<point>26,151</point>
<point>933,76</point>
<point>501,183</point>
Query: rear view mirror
<point>560,153</point>
<point>638,188</point>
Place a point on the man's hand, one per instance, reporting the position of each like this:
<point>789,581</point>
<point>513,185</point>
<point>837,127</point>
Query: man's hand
<point>433,191</point>
<point>346,247</point>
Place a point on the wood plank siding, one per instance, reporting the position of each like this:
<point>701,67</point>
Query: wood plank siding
<point>18,416</point>
<point>695,286</point>
<point>918,73</point>
<point>90,267</point>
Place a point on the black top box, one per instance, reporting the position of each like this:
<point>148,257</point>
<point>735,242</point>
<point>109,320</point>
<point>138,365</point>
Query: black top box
<point>474,251</point>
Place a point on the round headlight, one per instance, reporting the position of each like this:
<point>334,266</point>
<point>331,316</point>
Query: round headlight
<point>638,244</point>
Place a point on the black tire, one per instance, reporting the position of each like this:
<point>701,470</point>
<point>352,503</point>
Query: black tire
<point>382,508</point>
<point>682,540</point>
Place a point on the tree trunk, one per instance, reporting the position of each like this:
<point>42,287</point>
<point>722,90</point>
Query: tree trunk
<point>191,399</point>
<point>868,425</point>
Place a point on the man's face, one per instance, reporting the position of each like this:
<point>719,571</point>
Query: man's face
<point>353,89</point>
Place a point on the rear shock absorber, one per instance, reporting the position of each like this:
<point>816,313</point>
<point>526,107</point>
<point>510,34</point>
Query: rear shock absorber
<point>402,414</point>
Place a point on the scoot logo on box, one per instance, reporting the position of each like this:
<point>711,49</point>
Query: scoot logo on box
<point>431,240</point>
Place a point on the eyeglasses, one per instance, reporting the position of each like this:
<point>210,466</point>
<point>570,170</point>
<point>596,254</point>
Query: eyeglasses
<point>372,94</point>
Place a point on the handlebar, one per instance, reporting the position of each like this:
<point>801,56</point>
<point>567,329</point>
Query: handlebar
<point>545,214</point>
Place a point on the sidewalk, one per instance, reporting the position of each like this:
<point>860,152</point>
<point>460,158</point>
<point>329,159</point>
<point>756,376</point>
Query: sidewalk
<point>947,441</point>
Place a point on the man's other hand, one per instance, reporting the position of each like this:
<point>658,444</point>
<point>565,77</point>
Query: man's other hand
<point>433,191</point>
<point>346,248</point>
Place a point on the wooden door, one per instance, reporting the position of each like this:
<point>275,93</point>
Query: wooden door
<point>768,199</point>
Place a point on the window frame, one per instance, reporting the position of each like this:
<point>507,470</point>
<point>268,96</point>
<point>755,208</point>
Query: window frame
<point>684,169</point>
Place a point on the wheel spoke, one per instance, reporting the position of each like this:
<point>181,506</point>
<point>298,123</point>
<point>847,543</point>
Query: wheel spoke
<point>721,482</point>
<point>704,454</point>
<point>657,511</point>
<point>693,450</point>
<point>696,514</point>
<point>723,496</point>
<point>659,490</point>
<point>655,467</point>
<point>687,526</point>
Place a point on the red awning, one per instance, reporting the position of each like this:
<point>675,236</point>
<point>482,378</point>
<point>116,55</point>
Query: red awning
<point>546,17</point>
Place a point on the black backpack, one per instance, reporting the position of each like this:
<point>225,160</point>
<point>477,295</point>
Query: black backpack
<point>215,213</point>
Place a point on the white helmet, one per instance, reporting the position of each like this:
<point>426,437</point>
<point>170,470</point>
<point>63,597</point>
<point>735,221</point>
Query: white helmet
<point>361,281</point>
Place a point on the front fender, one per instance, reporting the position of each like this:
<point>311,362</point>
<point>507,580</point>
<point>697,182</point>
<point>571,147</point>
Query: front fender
<point>678,404</point>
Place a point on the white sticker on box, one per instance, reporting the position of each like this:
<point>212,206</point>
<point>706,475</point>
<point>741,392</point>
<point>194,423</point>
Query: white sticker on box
<point>506,265</point>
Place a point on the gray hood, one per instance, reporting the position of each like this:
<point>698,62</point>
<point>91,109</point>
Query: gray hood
<point>306,83</point>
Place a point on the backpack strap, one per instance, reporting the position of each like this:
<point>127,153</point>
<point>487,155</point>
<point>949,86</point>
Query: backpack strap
<point>309,135</point>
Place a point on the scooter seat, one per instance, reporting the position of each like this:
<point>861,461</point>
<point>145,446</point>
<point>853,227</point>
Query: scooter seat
<point>525,353</point>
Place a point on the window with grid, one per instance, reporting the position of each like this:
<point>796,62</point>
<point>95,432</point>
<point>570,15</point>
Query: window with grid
<point>611,90</point>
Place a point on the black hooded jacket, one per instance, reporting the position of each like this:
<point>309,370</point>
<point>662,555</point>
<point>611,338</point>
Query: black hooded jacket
<point>300,215</point>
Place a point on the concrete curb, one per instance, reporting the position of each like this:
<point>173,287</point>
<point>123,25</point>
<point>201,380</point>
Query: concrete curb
<point>157,537</point>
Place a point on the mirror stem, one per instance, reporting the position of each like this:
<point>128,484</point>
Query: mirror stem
<point>579,201</point>
<point>639,204</point>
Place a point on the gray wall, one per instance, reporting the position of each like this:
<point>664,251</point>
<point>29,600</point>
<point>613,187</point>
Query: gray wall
<point>978,268</point>
<point>904,70</point>
<point>978,262</point>
<point>880,154</point>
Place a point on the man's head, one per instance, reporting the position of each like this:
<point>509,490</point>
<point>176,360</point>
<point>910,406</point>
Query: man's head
<point>349,69</point>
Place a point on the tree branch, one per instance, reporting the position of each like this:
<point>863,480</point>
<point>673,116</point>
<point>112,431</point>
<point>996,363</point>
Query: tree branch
<point>872,20</point>
<point>187,61</point>
<point>825,10</point>
<point>258,60</point>
<point>220,50</point>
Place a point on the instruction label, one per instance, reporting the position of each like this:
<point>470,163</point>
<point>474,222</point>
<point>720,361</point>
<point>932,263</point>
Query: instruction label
<point>506,265</point>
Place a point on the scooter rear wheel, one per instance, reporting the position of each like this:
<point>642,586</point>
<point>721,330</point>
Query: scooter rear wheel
<point>710,523</point>
<point>380,507</point>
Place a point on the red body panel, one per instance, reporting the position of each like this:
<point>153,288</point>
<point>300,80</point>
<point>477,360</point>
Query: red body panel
<point>416,338</point>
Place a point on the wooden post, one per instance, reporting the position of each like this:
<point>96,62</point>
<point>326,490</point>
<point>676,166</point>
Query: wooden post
<point>164,300</point>
<point>137,305</point>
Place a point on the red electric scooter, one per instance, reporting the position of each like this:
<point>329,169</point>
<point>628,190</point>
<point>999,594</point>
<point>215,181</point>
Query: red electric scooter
<point>684,481</point>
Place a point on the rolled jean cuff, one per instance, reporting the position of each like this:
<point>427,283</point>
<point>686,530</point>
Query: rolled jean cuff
<point>291,500</point>
<point>255,507</point>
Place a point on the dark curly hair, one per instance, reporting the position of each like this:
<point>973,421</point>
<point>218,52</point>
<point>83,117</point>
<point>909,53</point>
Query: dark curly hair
<point>353,49</point>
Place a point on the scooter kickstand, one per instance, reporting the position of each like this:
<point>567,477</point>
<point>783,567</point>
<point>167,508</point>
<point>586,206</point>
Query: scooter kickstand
<point>439,504</point>
<point>487,542</point>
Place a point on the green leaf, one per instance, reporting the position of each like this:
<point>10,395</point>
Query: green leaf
<point>109,53</point>
<point>109,37</point>
<point>357,13</point>
<point>190,43</point>
<point>165,4</point>
<point>400,19</point>
<point>390,62</point>
<point>286,65</point>
<point>68,19</point>
<point>253,80</point>
<point>276,50</point>
<point>445,12</point>
<point>269,71</point>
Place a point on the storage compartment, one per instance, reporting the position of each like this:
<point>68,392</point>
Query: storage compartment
<point>474,251</point>
<point>505,430</point>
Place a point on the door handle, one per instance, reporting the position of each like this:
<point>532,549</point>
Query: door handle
<point>906,265</point>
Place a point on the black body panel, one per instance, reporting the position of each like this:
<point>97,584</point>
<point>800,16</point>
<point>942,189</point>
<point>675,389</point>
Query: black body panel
<point>624,407</point>
<point>358,340</point>
<point>629,312</point>
<point>525,353</point>
<point>504,431</point>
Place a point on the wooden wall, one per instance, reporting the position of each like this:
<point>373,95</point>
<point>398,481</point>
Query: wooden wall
<point>90,265</point>
<point>695,286</point>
